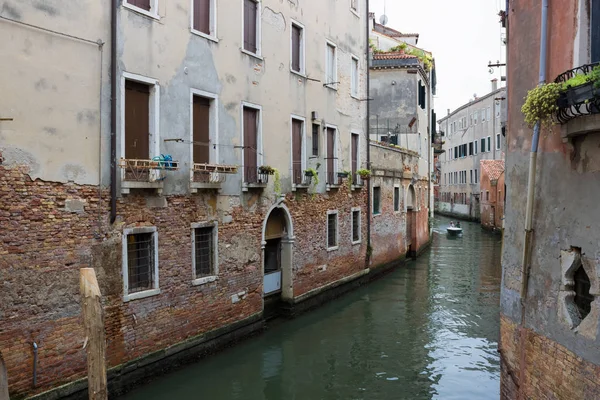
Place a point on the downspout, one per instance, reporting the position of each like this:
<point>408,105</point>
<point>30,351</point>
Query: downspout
<point>113,111</point>
<point>35,362</point>
<point>525,260</point>
<point>369,184</point>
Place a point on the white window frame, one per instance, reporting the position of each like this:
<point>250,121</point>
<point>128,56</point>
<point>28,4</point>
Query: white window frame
<point>498,141</point>
<point>335,73</point>
<point>355,10</point>
<point>197,281</point>
<point>124,264</point>
<point>475,115</point>
<point>352,211</point>
<point>337,230</point>
<point>373,202</point>
<point>302,71</point>
<point>302,143</point>
<point>335,151</point>
<point>489,113</point>
<point>358,158</point>
<point>482,115</point>
<point>154,112</point>
<point>354,77</point>
<point>259,139</point>
<point>213,127</point>
<point>400,207</point>
<point>258,53</point>
<point>213,22</point>
<point>151,14</point>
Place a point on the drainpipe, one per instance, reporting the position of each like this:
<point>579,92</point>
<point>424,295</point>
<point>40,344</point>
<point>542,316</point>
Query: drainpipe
<point>525,260</point>
<point>113,111</point>
<point>35,359</point>
<point>369,184</point>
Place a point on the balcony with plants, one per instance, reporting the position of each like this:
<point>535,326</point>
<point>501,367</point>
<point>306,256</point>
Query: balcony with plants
<point>210,176</point>
<point>146,174</point>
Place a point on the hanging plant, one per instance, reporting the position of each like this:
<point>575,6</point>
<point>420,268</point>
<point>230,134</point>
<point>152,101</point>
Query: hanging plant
<point>266,170</point>
<point>313,174</point>
<point>277,183</point>
<point>541,104</point>
<point>364,173</point>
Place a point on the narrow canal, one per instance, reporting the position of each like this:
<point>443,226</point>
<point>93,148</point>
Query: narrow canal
<point>428,330</point>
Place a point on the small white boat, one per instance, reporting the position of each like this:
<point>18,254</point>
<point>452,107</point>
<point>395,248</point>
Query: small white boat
<point>453,230</point>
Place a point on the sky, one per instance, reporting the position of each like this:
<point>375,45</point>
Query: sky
<point>463,35</point>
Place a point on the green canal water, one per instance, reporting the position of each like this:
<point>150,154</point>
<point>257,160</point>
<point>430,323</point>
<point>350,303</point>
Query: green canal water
<point>428,330</point>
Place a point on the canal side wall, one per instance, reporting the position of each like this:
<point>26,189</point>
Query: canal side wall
<point>549,350</point>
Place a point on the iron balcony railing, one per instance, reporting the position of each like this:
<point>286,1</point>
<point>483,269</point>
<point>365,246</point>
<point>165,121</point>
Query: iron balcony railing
<point>580,100</point>
<point>254,176</point>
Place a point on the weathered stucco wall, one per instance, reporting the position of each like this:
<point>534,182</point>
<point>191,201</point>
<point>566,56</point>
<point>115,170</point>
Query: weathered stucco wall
<point>566,192</point>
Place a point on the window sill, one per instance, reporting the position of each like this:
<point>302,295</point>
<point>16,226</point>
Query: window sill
<point>141,11</point>
<point>204,35</point>
<point>357,242</point>
<point>195,186</point>
<point>248,186</point>
<point>300,74</point>
<point>353,11</point>
<point>333,248</point>
<point>126,186</point>
<point>377,214</point>
<point>251,54</point>
<point>299,187</point>
<point>141,295</point>
<point>334,187</point>
<point>357,187</point>
<point>354,97</point>
<point>331,87</point>
<point>204,280</point>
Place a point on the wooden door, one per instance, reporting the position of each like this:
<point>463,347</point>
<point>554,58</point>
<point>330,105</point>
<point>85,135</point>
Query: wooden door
<point>297,151</point>
<point>250,26</point>
<point>354,156</point>
<point>201,130</point>
<point>250,145</point>
<point>137,120</point>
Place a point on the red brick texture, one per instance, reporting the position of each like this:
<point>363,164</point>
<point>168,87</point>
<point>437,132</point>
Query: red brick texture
<point>493,193</point>
<point>550,370</point>
<point>44,244</point>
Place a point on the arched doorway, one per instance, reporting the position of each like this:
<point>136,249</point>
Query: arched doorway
<point>411,221</point>
<point>277,249</point>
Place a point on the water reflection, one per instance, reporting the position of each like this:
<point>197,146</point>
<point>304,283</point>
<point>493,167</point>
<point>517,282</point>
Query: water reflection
<point>426,331</point>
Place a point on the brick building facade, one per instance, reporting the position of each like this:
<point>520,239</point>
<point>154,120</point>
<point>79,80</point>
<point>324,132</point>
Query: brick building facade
<point>551,271</point>
<point>492,193</point>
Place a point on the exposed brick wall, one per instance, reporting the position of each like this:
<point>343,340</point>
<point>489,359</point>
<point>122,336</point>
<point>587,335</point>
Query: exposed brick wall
<point>492,209</point>
<point>551,371</point>
<point>43,246</point>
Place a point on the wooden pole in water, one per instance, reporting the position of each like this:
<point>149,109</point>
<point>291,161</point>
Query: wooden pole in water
<point>3,380</point>
<point>94,332</point>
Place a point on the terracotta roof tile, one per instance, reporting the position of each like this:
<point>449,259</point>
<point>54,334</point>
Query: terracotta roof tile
<point>493,168</point>
<point>393,56</point>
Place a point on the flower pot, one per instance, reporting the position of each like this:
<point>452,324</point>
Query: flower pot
<point>309,174</point>
<point>342,174</point>
<point>577,95</point>
<point>364,177</point>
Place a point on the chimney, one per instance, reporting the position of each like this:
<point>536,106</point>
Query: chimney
<point>371,21</point>
<point>494,84</point>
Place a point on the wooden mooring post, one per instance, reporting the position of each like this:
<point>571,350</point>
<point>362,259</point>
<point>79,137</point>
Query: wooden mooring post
<point>93,322</point>
<point>3,380</point>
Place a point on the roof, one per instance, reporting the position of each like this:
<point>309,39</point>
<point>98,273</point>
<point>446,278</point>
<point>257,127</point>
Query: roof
<point>397,55</point>
<point>493,168</point>
<point>392,32</point>
<point>471,103</point>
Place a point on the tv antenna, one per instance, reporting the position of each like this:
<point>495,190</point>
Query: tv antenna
<point>383,20</point>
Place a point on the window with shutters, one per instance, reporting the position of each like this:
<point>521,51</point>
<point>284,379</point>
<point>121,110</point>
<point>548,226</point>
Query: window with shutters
<point>471,176</point>
<point>204,253</point>
<point>497,141</point>
<point>595,31</point>
<point>315,139</point>
<point>331,66</point>
<point>298,151</point>
<point>483,145</point>
<point>489,144</point>
<point>140,108</point>
<point>332,230</point>
<point>140,263</point>
<point>297,48</point>
<point>354,77</point>
<point>355,158</point>
<point>252,142</point>
<point>146,7</point>
<point>422,101</point>
<point>331,158</point>
<point>356,224</point>
<point>396,198</point>
<point>204,18</point>
<point>376,200</point>
<point>203,127</point>
<point>251,27</point>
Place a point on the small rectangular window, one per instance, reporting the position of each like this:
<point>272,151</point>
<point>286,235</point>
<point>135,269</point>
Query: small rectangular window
<point>471,148</point>
<point>476,176</point>
<point>202,10</point>
<point>595,31</point>
<point>297,151</point>
<point>376,200</point>
<point>489,144</point>
<point>483,115</point>
<point>471,176</point>
<point>498,141</point>
<point>354,77</point>
<point>331,65</point>
<point>297,48</point>
<point>251,22</point>
<point>475,147</point>
<point>489,113</point>
<point>332,226</point>
<point>204,251</point>
<point>396,199</point>
<point>143,4</point>
<point>483,145</point>
<point>315,139</point>
<point>355,226</point>
<point>456,152</point>
<point>140,261</point>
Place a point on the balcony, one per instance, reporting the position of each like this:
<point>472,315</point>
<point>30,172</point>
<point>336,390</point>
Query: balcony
<point>301,179</point>
<point>210,176</point>
<point>579,100</point>
<point>145,174</point>
<point>256,177</point>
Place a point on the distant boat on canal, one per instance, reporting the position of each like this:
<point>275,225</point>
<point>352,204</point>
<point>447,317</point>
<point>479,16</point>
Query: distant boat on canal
<point>454,230</point>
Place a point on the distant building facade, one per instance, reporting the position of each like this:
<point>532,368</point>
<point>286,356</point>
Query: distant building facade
<point>473,132</point>
<point>492,193</point>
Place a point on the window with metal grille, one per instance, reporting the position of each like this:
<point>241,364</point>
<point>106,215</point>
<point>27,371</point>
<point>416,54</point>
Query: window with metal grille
<point>315,139</point>
<point>356,225</point>
<point>583,298</point>
<point>377,200</point>
<point>140,262</point>
<point>251,26</point>
<point>396,199</point>
<point>204,251</point>
<point>332,223</point>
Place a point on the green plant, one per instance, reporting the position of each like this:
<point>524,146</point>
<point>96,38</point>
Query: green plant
<point>277,182</point>
<point>350,181</point>
<point>266,169</point>
<point>364,173</point>
<point>540,104</point>
<point>314,174</point>
<point>400,47</point>
<point>582,79</point>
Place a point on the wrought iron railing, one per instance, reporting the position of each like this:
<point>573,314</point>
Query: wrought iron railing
<point>579,100</point>
<point>212,173</point>
<point>333,179</point>
<point>145,170</point>
<point>253,176</point>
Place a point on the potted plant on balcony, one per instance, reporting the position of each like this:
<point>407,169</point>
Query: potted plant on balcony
<point>266,170</point>
<point>364,173</point>
<point>343,174</point>
<point>541,104</point>
<point>580,88</point>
